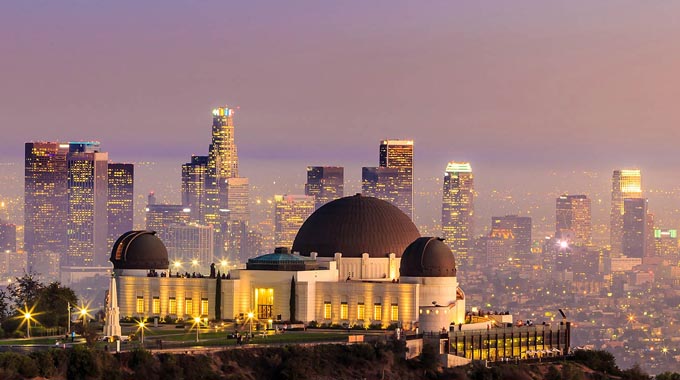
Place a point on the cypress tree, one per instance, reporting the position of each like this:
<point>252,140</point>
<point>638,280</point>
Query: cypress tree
<point>218,297</point>
<point>292,300</point>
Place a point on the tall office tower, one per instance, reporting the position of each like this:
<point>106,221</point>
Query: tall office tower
<point>572,219</point>
<point>650,247</point>
<point>159,217</point>
<point>120,205</point>
<point>222,164</point>
<point>626,183</point>
<point>666,245</point>
<point>498,248</point>
<point>238,204</point>
<point>151,198</point>
<point>8,237</point>
<point>87,201</point>
<point>380,183</point>
<point>634,227</point>
<point>458,209</point>
<point>520,226</point>
<point>289,214</point>
<point>45,206</point>
<point>12,264</point>
<point>325,183</point>
<point>194,174</point>
<point>189,242</point>
<point>398,154</point>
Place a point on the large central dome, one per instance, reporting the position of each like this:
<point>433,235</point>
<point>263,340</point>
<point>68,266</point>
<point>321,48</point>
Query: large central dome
<point>356,225</point>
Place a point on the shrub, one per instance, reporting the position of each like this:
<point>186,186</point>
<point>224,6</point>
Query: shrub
<point>82,364</point>
<point>18,363</point>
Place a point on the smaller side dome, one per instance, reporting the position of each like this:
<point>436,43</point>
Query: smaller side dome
<point>428,257</point>
<point>139,250</point>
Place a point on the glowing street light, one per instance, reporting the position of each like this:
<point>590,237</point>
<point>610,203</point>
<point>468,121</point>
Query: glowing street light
<point>197,323</point>
<point>27,318</point>
<point>84,315</point>
<point>177,265</point>
<point>224,264</point>
<point>142,325</point>
<point>250,316</point>
<point>194,263</point>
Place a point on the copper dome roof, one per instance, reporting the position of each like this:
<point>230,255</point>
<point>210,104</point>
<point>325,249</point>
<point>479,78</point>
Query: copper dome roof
<point>353,226</point>
<point>139,250</point>
<point>428,257</point>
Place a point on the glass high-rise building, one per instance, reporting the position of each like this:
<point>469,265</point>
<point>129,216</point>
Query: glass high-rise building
<point>572,219</point>
<point>626,183</point>
<point>520,226</point>
<point>289,214</point>
<point>634,236</point>
<point>120,204</point>
<point>325,183</point>
<point>458,209</point>
<point>194,175</point>
<point>8,237</point>
<point>398,154</point>
<point>160,216</point>
<point>380,183</point>
<point>87,206</point>
<point>190,246</point>
<point>222,164</point>
<point>45,205</point>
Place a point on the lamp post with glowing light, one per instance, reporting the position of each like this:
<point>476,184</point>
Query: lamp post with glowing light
<point>250,316</point>
<point>197,321</point>
<point>83,314</point>
<point>27,317</point>
<point>141,326</point>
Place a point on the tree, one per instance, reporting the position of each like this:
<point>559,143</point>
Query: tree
<point>25,290</point>
<point>293,317</point>
<point>218,297</point>
<point>52,305</point>
<point>5,301</point>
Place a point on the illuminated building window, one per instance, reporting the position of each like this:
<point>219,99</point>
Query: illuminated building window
<point>394,312</point>
<point>140,304</point>
<point>204,306</point>
<point>189,306</point>
<point>344,311</point>
<point>377,312</point>
<point>361,311</point>
<point>172,306</point>
<point>264,302</point>
<point>326,310</point>
<point>156,307</point>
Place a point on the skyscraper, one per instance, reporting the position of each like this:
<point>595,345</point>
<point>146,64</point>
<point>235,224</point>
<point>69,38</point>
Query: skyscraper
<point>160,216</point>
<point>666,245</point>
<point>8,237</point>
<point>520,226</point>
<point>238,204</point>
<point>398,154</point>
<point>634,227</point>
<point>325,183</point>
<point>45,205</point>
<point>381,183</point>
<point>458,209</point>
<point>120,205</point>
<point>87,204</point>
<point>626,183</point>
<point>222,164</point>
<point>289,214</point>
<point>194,176</point>
<point>572,219</point>
<point>189,242</point>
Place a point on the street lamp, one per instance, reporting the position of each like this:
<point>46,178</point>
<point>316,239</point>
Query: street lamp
<point>27,317</point>
<point>197,322</point>
<point>141,326</point>
<point>250,316</point>
<point>83,314</point>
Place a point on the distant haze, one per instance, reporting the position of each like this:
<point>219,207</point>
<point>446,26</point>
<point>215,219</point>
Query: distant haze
<point>521,89</point>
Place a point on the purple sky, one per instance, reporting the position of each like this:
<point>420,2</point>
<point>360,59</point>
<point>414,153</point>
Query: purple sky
<point>512,86</point>
<point>498,81</point>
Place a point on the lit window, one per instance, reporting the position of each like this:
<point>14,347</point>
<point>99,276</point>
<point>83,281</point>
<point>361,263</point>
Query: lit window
<point>394,312</point>
<point>326,310</point>
<point>361,312</point>
<point>344,311</point>
<point>156,307</point>
<point>204,306</point>
<point>172,307</point>
<point>189,306</point>
<point>377,312</point>
<point>140,305</point>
